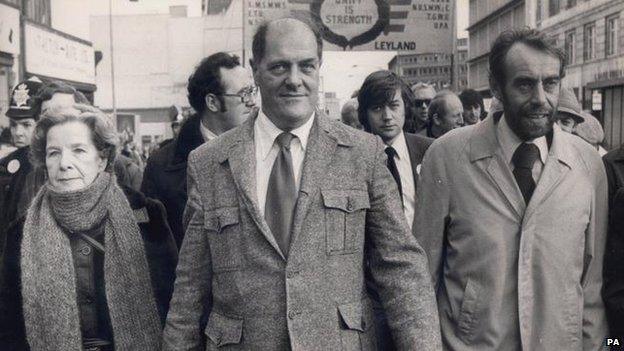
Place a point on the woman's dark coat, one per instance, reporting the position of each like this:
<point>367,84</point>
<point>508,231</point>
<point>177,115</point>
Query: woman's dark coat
<point>160,249</point>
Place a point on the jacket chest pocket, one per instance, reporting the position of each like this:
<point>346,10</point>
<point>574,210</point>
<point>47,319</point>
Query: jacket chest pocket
<point>345,218</point>
<point>225,238</point>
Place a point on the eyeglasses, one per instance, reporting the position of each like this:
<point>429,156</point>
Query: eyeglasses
<point>420,102</point>
<point>248,95</point>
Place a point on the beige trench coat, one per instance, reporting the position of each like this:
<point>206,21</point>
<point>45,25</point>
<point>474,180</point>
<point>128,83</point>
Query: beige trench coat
<point>510,276</point>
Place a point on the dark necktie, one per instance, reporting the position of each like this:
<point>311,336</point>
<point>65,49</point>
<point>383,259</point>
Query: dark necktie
<point>281,194</point>
<point>391,152</point>
<point>523,159</point>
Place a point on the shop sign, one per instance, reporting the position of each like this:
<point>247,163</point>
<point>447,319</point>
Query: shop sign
<point>54,55</point>
<point>9,30</point>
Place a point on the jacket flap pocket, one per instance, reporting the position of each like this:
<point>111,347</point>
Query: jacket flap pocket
<point>220,218</point>
<point>346,200</point>
<point>224,330</point>
<point>351,314</point>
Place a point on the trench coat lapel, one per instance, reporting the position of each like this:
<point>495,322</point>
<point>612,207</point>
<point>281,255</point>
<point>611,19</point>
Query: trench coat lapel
<point>319,154</point>
<point>558,164</point>
<point>242,160</point>
<point>486,152</point>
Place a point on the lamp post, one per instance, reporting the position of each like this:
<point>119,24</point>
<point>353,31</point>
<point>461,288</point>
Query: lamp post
<point>112,58</point>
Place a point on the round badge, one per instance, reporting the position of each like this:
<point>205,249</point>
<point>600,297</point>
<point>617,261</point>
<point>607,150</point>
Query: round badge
<point>13,166</point>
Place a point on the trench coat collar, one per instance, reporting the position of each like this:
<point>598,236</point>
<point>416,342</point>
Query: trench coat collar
<point>240,153</point>
<point>484,146</point>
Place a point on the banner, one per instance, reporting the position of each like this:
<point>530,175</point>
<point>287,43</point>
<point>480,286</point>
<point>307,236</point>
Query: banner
<point>407,26</point>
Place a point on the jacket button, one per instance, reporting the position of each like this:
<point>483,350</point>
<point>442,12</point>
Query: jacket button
<point>86,250</point>
<point>349,205</point>
<point>292,274</point>
<point>293,314</point>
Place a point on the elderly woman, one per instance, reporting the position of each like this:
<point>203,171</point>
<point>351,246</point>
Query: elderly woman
<point>90,267</point>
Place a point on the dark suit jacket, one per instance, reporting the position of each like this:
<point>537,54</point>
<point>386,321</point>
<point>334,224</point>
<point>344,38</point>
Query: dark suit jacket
<point>164,177</point>
<point>417,145</point>
<point>613,288</point>
<point>348,208</point>
<point>614,166</point>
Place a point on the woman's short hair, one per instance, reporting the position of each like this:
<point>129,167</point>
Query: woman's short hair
<point>379,89</point>
<point>103,133</point>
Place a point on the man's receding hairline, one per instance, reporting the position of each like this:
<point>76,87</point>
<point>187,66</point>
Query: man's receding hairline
<point>530,47</point>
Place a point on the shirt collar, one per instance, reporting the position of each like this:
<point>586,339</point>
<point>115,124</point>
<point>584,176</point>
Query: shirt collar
<point>509,141</point>
<point>400,146</point>
<point>205,132</point>
<point>267,132</point>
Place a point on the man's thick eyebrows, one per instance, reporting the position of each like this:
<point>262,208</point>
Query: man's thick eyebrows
<point>309,60</point>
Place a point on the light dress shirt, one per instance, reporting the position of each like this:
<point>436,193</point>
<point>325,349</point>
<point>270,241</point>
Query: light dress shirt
<point>265,133</point>
<point>404,165</point>
<point>509,142</point>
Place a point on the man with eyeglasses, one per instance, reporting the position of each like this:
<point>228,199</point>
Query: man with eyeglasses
<point>222,93</point>
<point>423,94</point>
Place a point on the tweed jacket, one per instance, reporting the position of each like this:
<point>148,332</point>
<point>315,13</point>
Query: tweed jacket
<point>510,275</point>
<point>164,177</point>
<point>348,207</point>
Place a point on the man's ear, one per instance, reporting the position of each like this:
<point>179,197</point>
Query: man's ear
<point>212,103</point>
<point>435,119</point>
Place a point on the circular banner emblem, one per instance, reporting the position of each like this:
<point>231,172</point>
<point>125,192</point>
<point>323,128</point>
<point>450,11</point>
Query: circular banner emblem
<point>349,23</point>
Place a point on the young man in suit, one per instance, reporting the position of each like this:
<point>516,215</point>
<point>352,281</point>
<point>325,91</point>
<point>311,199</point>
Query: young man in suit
<point>281,214</point>
<point>512,212</point>
<point>385,102</point>
<point>222,93</point>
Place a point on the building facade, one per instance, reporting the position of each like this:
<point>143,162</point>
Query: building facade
<point>591,34</point>
<point>432,68</point>
<point>49,39</point>
<point>462,64</point>
<point>486,20</point>
<point>154,54</point>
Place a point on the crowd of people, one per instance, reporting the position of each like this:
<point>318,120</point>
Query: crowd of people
<point>420,221</point>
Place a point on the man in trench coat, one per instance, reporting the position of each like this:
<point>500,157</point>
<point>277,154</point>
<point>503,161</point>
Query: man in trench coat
<point>516,250</point>
<point>265,288</point>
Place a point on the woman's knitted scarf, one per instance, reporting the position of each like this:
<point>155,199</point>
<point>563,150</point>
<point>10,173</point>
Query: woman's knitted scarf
<point>51,313</point>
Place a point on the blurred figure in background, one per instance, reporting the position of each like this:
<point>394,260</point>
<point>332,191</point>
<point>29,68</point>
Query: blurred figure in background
<point>423,94</point>
<point>349,114</point>
<point>569,111</point>
<point>474,111</point>
<point>222,93</point>
<point>19,185</point>
<point>90,267</point>
<point>6,144</point>
<point>591,131</point>
<point>445,114</point>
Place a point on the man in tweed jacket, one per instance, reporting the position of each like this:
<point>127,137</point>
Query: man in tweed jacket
<point>233,270</point>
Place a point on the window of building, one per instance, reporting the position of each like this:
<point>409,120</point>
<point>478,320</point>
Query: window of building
<point>589,41</point>
<point>571,4</point>
<point>38,11</point>
<point>13,2</point>
<point>553,7</point>
<point>570,45</point>
<point>611,41</point>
